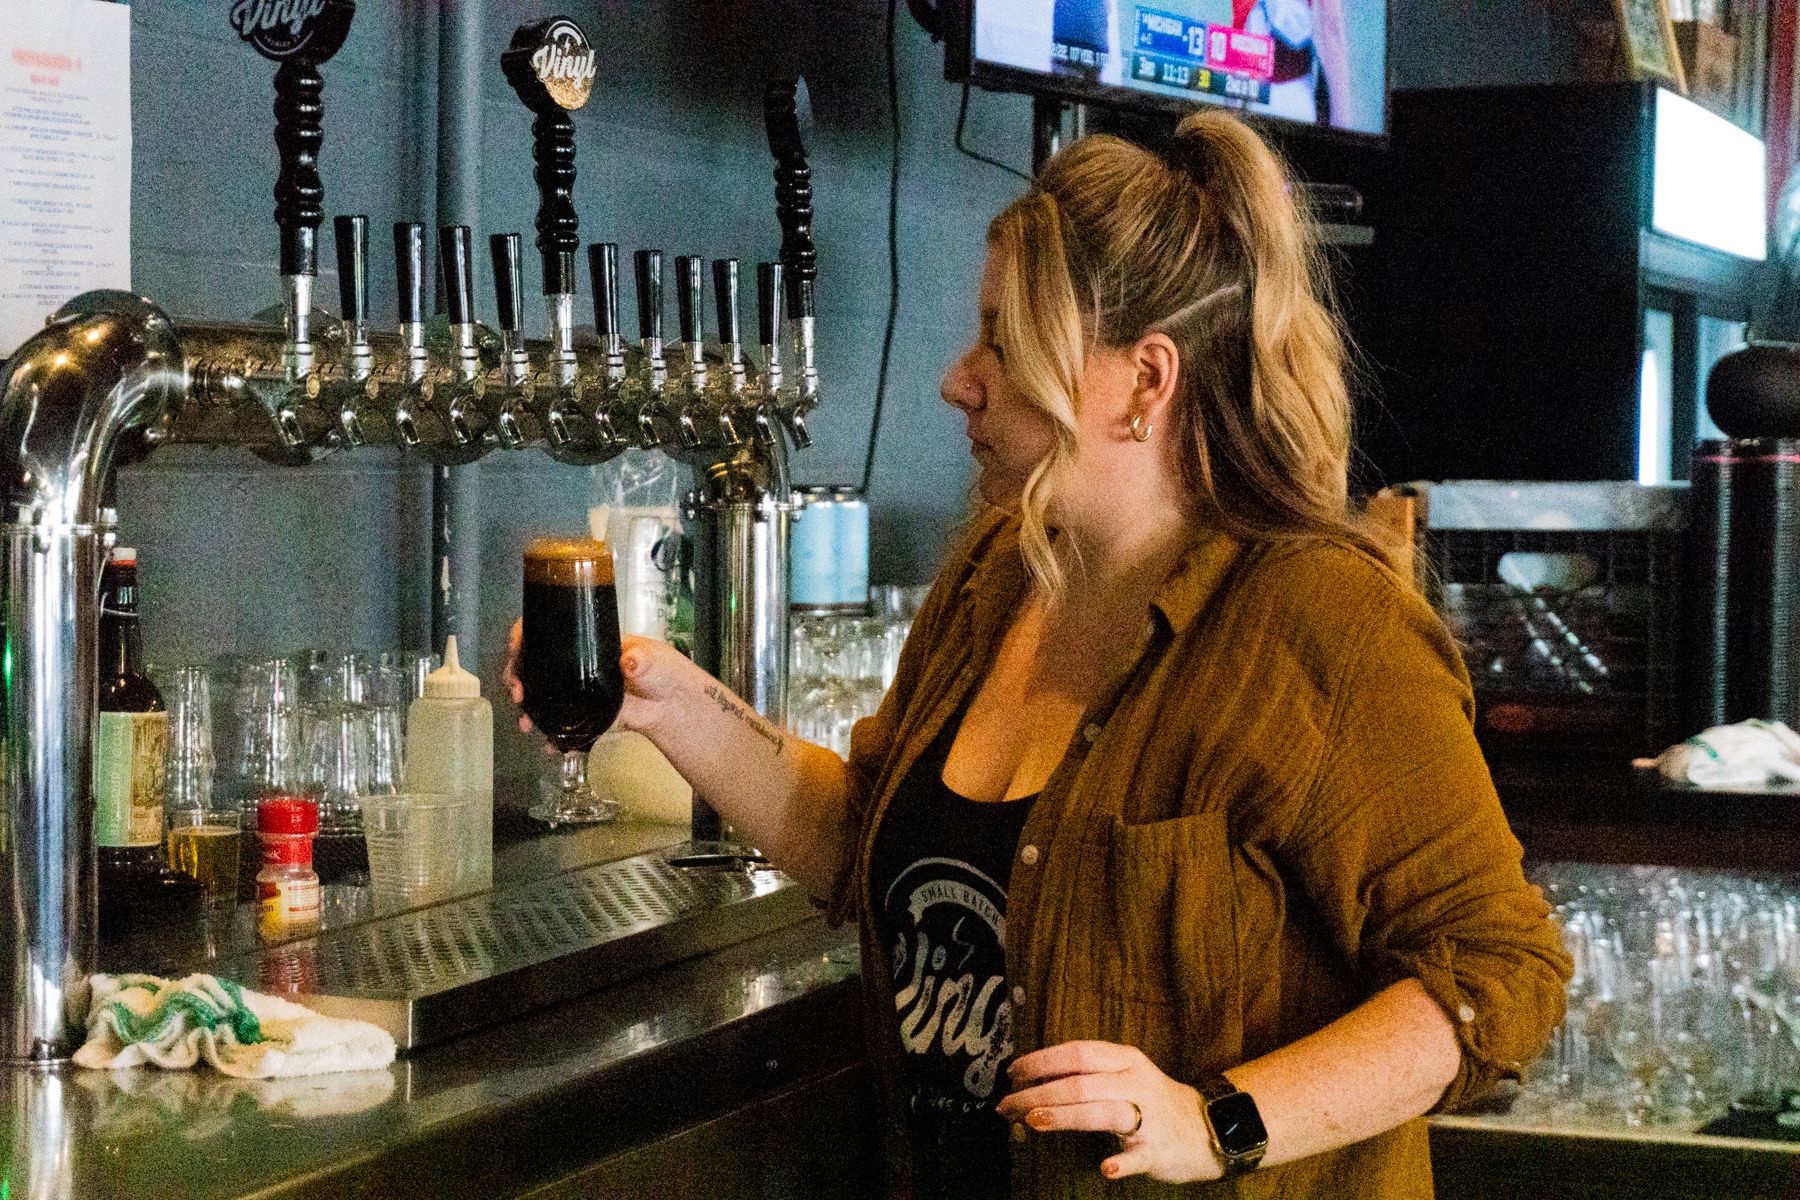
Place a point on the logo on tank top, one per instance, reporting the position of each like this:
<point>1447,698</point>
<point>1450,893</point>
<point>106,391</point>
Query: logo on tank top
<point>949,968</point>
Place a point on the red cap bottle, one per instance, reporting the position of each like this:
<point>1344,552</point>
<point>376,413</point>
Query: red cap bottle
<point>287,824</point>
<point>287,814</point>
<point>287,890</point>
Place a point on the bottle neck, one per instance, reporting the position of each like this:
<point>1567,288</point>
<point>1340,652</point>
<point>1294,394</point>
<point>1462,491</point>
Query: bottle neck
<point>121,637</point>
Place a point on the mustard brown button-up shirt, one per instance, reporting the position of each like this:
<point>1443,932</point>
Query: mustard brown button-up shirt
<point>1277,812</point>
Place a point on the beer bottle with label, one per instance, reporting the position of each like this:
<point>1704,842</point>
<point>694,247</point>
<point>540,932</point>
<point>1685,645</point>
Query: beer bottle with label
<point>128,750</point>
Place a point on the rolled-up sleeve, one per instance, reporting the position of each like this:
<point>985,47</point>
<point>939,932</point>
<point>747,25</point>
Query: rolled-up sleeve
<point>1404,852</point>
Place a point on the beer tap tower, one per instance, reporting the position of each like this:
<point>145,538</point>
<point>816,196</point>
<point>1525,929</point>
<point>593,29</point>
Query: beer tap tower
<point>111,377</point>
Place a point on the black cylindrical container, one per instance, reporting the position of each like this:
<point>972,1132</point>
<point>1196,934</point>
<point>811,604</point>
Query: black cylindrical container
<point>1744,603</point>
<point>1708,626</point>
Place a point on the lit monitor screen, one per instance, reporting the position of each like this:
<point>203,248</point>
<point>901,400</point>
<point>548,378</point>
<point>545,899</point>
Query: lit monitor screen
<point>1315,62</point>
<point>1709,181</point>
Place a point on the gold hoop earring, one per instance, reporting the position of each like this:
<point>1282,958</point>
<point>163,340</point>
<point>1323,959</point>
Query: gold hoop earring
<point>1141,429</point>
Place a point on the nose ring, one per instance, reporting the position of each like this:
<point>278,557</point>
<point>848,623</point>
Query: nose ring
<point>1141,429</point>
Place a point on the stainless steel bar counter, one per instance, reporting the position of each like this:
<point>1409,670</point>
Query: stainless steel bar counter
<point>736,1071</point>
<point>733,1073</point>
<point>1500,1158</point>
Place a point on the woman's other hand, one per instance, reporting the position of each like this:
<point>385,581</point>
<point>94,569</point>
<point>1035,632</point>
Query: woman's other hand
<point>509,674</point>
<point>1107,1088</point>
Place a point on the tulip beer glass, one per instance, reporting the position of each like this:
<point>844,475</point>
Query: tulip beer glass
<point>569,664</point>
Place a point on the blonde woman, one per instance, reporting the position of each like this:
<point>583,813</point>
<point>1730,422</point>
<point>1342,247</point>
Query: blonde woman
<point>1172,850</point>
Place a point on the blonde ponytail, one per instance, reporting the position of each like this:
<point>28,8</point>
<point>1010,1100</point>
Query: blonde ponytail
<point>1206,245</point>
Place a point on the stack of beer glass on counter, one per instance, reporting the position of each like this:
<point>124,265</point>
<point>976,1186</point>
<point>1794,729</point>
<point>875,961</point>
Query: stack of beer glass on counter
<point>329,725</point>
<point>841,664</point>
<point>1684,1009</point>
<point>321,728</point>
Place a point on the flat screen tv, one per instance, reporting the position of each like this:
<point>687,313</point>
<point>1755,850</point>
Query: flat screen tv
<point>1317,63</point>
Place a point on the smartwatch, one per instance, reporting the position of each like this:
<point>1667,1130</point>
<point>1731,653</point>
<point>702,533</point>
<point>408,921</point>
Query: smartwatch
<point>1237,1128</point>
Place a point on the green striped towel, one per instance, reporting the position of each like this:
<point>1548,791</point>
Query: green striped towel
<point>136,1020</point>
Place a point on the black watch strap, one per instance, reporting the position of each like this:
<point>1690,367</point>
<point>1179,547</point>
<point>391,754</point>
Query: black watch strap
<point>1236,1127</point>
<point>1217,1088</point>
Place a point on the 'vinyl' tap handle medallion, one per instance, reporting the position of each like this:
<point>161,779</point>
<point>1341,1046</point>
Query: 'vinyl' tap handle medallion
<point>793,193</point>
<point>725,299</point>
<point>409,271</point>
<point>454,252</point>
<point>298,41</point>
<point>352,237</point>
<point>509,288</point>
<point>689,273</point>
<point>649,294</point>
<point>551,66</point>
<point>603,272</point>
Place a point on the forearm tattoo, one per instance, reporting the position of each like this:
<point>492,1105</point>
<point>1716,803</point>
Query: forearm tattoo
<point>729,704</point>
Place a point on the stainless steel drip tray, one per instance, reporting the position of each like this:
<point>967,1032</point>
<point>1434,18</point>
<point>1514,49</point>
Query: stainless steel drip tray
<point>433,973</point>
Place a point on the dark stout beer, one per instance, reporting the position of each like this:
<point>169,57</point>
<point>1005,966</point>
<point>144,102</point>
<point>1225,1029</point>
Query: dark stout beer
<point>569,659</point>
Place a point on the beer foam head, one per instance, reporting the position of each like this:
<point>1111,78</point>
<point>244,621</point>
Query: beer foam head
<point>568,562</point>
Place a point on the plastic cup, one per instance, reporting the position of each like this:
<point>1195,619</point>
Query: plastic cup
<point>419,847</point>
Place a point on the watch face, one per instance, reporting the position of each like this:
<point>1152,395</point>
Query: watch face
<point>1237,1124</point>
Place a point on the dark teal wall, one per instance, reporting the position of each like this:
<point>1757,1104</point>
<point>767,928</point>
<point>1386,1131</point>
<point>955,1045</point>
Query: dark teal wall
<point>245,558</point>
<point>671,154</point>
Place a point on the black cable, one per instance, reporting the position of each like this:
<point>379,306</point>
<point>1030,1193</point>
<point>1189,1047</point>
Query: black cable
<point>893,239</point>
<point>962,117</point>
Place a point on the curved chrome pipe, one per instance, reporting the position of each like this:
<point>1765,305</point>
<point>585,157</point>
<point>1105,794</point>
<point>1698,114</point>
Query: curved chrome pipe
<point>97,385</point>
<point>105,366</point>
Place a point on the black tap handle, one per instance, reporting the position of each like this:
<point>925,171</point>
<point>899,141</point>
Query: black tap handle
<point>455,250</point>
<point>352,237</point>
<point>299,192</point>
<point>550,66</point>
<point>409,270</point>
<point>768,302</point>
<point>725,299</point>
<point>649,293</point>
<point>603,271</point>
<point>793,193</point>
<point>509,288</point>
<point>299,41</point>
<point>553,149</point>
<point>689,277</point>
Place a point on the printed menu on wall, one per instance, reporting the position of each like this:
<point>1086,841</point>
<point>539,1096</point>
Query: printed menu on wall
<point>65,156</point>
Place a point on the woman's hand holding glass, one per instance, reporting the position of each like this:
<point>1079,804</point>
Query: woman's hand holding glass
<point>1103,1087</point>
<point>651,669</point>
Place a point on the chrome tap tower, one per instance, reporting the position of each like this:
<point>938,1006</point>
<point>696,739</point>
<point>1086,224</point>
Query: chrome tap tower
<point>111,376</point>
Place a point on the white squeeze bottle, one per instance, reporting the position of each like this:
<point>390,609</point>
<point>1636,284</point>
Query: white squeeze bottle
<point>450,750</point>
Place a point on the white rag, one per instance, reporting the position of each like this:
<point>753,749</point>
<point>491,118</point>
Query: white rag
<point>138,1019</point>
<point>1747,754</point>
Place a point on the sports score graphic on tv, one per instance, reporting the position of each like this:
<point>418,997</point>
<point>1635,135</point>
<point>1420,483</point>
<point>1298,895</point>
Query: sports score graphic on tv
<point>1316,62</point>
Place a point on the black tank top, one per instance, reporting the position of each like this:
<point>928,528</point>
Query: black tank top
<point>938,877</point>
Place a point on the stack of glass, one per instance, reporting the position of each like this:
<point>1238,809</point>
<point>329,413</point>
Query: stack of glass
<point>839,667</point>
<point>203,828</point>
<point>1685,1002</point>
<point>323,725</point>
